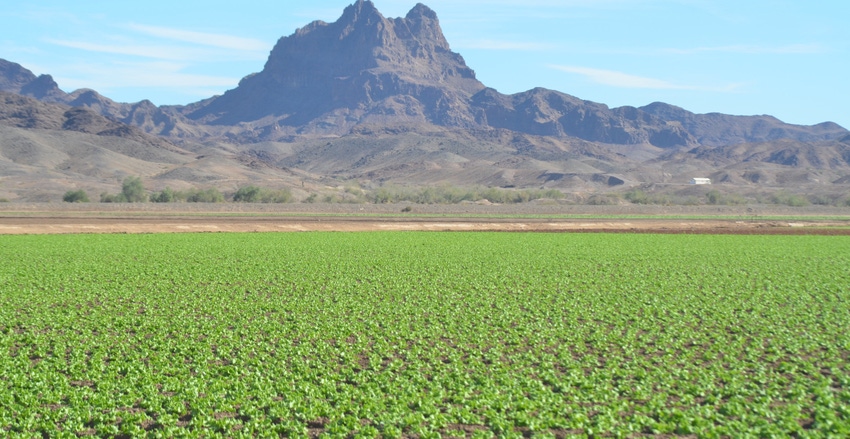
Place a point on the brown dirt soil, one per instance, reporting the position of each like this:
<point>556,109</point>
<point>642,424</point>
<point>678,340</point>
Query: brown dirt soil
<point>182,218</point>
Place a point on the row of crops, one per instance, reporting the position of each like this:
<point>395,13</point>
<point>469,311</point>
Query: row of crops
<point>424,335</point>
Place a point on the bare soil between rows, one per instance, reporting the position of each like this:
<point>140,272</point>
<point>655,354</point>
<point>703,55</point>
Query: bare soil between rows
<point>65,224</point>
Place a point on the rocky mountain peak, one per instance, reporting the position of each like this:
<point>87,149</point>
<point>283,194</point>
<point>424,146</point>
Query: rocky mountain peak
<point>421,11</point>
<point>14,76</point>
<point>44,86</point>
<point>360,11</point>
<point>354,65</point>
<point>423,24</point>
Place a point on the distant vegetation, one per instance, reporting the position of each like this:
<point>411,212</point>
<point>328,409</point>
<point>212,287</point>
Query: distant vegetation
<point>254,194</point>
<point>789,199</point>
<point>132,191</point>
<point>78,196</point>
<point>442,194</point>
<point>716,197</point>
<point>167,195</point>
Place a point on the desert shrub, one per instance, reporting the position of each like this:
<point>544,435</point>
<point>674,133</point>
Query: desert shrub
<point>78,196</point>
<point>132,190</point>
<point>210,195</point>
<point>112,198</point>
<point>825,200</point>
<point>787,199</point>
<point>382,196</point>
<point>638,196</point>
<point>447,194</point>
<point>353,190</point>
<point>165,196</point>
<point>553,194</point>
<point>247,194</point>
<point>275,196</point>
<point>602,200</point>
<point>332,198</point>
<point>715,197</point>
<point>254,194</point>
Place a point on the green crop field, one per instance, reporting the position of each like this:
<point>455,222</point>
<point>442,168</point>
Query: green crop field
<point>424,335</point>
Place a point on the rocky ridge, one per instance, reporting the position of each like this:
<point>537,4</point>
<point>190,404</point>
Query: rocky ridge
<point>368,73</point>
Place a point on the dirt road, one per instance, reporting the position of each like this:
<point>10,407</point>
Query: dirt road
<point>59,224</point>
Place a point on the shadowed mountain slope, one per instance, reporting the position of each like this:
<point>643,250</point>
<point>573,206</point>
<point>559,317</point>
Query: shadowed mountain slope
<point>363,68</point>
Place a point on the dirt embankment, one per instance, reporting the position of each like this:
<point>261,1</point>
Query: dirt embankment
<point>153,218</point>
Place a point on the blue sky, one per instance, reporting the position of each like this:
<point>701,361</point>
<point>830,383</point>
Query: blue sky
<point>790,59</point>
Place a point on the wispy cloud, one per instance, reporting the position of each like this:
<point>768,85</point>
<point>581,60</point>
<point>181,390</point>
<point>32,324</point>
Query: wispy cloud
<point>618,79</point>
<point>155,57</point>
<point>563,4</point>
<point>749,49</point>
<point>624,80</point>
<point>506,45</point>
<point>183,45</point>
<point>154,74</point>
<point>202,38</point>
<point>162,52</point>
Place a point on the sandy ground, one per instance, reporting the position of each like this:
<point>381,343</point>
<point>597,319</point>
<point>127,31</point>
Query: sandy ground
<point>149,218</point>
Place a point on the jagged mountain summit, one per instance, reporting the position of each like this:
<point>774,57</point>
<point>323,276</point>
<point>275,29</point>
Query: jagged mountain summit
<point>362,69</point>
<point>365,71</point>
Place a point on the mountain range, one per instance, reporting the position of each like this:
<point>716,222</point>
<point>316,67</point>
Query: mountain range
<point>385,100</point>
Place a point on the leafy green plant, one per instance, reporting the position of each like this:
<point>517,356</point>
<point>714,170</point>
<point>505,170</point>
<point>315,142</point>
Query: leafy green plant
<point>426,334</point>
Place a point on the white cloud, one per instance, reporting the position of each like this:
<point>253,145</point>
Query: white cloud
<point>144,74</point>
<point>144,51</point>
<point>624,80</point>
<point>791,49</point>
<point>563,4</point>
<point>153,57</point>
<point>202,38</point>
<point>505,45</point>
<point>618,79</point>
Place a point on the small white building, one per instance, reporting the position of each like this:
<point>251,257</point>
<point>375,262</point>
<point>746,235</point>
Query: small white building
<point>700,180</point>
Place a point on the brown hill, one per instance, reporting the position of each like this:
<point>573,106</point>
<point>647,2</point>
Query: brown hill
<point>47,149</point>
